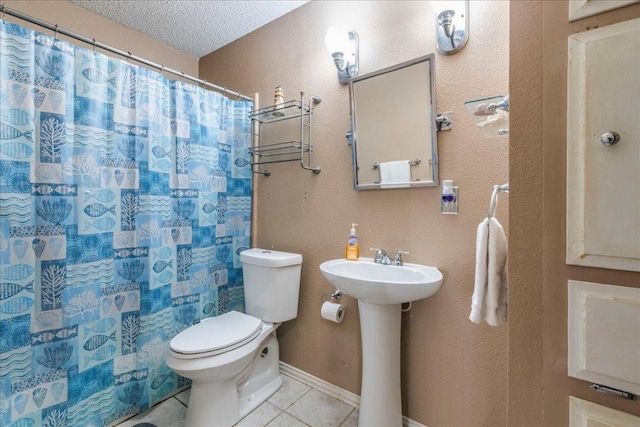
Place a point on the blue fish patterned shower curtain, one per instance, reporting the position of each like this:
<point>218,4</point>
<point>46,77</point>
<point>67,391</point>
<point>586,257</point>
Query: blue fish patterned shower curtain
<point>125,199</point>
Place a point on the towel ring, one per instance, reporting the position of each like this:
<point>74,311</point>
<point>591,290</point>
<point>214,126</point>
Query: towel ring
<point>494,201</point>
<point>493,205</point>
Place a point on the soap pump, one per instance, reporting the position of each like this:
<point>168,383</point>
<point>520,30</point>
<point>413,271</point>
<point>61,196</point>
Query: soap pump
<point>449,203</point>
<point>352,249</point>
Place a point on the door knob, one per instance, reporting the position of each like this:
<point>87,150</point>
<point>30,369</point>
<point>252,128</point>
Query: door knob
<point>609,138</point>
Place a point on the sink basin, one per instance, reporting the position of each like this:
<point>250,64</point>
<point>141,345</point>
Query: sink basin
<point>382,284</point>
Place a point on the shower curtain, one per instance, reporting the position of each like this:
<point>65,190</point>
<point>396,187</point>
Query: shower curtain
<point>125,199</point>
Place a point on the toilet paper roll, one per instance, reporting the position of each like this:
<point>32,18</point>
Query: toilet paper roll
<point>332,311</point>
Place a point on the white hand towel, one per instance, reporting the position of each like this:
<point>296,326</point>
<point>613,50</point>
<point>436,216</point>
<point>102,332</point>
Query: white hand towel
<point>395,174</point>
<point>477,300</point>
<point>489,301</point>
<point>496,298</point>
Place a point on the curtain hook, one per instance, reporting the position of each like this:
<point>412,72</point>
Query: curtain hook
<point>224,93</point>
<point>4,10</point>
<point>204,84</point>
<point>55,36</point>
<point>94,44</point>
<point>129,57</point>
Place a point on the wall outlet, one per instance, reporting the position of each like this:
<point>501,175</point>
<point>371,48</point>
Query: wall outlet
<point>449,203</point>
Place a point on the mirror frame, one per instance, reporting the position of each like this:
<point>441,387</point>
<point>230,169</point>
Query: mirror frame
<point>431,105</point>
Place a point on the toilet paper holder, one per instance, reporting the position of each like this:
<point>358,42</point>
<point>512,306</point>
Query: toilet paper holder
<point>337,294</point>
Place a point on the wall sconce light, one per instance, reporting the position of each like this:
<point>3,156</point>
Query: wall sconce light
<point>343,46</point>
<point>453,24</point>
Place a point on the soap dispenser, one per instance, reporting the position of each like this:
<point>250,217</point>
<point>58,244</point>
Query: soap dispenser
<point>449,203</point>
<point>352,249</point>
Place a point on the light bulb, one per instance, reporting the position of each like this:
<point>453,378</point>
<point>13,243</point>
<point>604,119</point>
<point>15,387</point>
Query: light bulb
<point>441,5</point>
<point>337,40</point>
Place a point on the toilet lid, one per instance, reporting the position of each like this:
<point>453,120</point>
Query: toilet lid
<point>220,333</point>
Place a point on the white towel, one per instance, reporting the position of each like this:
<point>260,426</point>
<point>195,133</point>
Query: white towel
<point>489,301</point>
<point>395,174</point>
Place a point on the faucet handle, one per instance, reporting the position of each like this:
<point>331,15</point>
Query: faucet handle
<point>379,252</point>
<point>397,259</point>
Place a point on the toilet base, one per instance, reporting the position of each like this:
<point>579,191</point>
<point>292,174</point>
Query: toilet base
<point>251,402</point>
<point>219,406</point>
<point>224,403</point>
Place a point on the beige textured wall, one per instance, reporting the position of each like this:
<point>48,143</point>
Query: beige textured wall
<point>88,24</point>
<point>454,372</point>
<point>525,210</point>
<point>538,298</point>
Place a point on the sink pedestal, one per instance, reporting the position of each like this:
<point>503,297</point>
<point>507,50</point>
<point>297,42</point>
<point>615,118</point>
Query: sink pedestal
<point>380,290</point>
<point>380,398</point>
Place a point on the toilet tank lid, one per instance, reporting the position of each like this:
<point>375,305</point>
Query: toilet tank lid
<point>269,258</point>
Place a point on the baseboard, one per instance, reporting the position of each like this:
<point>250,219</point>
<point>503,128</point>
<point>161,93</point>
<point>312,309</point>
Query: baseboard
<point>320,384</point>
<point>408,422</point>
<point>333,390</point>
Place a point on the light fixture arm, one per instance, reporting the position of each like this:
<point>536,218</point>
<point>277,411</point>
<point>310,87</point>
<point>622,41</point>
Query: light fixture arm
<point>348,67</point>
<point>338,60</point>
<point>452,29</point>
<point>445,20</point>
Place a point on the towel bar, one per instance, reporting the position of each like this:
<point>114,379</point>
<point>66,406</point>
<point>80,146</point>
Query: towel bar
<point>417,161</point>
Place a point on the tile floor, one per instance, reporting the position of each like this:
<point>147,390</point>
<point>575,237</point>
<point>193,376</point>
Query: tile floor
<point>294,405</point>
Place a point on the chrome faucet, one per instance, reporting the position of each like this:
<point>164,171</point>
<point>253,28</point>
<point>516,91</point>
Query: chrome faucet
<point>383,258</point>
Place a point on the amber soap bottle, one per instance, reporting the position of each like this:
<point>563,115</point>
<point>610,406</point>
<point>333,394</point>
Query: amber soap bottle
<point>352,249</point>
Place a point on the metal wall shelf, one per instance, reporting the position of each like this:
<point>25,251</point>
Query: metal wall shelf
<point>288,151</point>
<point>275,113</point>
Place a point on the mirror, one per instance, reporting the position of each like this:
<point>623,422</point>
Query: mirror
<point>393,126</point>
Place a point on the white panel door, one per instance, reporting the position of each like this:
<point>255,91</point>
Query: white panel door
<point>579,9</point>
<point>603,181</point>
<point>604,335</point>
<point>583,413</point>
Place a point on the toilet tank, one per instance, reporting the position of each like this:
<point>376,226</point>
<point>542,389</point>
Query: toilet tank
<point>271,284</point>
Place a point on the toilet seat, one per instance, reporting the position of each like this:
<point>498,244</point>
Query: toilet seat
<point>216,335</point>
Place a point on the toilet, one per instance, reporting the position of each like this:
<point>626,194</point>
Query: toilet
<point>232,359</point>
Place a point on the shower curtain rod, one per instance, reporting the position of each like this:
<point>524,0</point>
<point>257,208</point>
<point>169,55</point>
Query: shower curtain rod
<point>94,43</point>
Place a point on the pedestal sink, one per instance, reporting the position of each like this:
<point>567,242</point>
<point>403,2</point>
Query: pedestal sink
<point>380,291</point>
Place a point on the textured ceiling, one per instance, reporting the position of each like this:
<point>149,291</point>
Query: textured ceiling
<point>191,26</point>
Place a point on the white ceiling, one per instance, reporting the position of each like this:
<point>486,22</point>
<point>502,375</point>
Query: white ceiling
<point>195,27</point>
